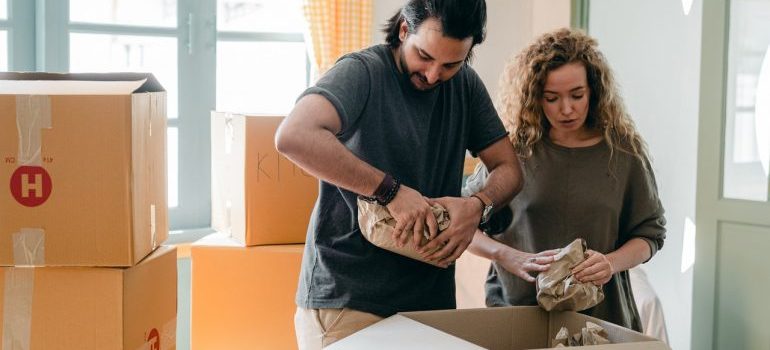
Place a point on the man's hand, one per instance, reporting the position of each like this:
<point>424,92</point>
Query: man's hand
<point>523,264</point>
<point>464,214</point>
<point>597,269</point>
<point>412,212</point>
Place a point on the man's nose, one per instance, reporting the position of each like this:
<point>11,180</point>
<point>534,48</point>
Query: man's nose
<point>432,74</point>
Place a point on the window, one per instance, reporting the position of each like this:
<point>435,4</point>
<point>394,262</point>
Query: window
<point>245,56</point>
<point>151,13</point>
<point>17,35</point>
<point>3,50</point>
<point>3,35</point>
<point>131,36</point>
<point>261,61</point>
<point>747,132</point>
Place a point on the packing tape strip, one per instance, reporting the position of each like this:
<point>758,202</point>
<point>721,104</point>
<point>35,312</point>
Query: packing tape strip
<point>17,307</point>
<point>227,190</point>
<point>29,247</point>
<point>33,113</point>
<point>153,227</point>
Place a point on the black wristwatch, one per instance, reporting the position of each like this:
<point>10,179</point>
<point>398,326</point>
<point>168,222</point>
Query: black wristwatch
<point>486,213</point>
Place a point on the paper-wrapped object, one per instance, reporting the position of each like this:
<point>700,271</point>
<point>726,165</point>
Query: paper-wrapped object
<point>594,334</point>
<point>561,339</point>
<point>558,289</point>
<point>377,226</point>
<point>591,334</point>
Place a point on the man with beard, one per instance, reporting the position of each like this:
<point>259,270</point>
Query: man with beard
<point>392,123</point>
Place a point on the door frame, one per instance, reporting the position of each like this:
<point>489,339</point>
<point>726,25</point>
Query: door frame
<point>712,209</point>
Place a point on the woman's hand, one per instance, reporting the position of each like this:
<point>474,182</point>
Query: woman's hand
<point>523,264</point>
<point>596,269</point>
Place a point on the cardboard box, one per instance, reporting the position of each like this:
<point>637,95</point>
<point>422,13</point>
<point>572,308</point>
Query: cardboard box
<point>243,297</point>
<point>85,158</point>
<point>259,196</point>
<point>509,328</point>
<point>99,308</point>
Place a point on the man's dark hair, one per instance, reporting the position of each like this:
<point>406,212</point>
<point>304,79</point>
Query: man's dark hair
<point>459,19</point>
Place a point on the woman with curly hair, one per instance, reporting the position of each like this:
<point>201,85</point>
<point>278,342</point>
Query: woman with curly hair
<point>587,175</point>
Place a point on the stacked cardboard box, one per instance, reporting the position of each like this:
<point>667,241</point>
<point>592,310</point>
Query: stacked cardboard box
<point>83,213</point>
<point>258,196</point>
<point>243,297</point>
<point>244,279</point>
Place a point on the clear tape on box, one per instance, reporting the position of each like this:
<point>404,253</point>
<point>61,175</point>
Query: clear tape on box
<point>17,308</point>
<point>33,113</point>
<point>29,247</point>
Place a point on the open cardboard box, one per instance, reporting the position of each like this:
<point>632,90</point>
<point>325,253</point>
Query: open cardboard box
<point>82,169</point>
<point>509,328</point>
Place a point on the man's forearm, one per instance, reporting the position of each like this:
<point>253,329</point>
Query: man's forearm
<point>505,177</point>
<point>503,183</point>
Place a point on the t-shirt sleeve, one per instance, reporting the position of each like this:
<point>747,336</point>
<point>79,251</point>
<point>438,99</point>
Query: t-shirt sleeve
<point>486,127</point>
<point>643,213</point>
<point>346,85</point>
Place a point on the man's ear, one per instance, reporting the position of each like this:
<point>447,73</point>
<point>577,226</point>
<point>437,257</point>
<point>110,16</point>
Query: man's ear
<point>403,30</point>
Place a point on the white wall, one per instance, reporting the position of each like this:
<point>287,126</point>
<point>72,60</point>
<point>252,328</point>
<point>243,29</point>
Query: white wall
<point>382,11</point>
<point>509,28</point>
<point>655,52</point>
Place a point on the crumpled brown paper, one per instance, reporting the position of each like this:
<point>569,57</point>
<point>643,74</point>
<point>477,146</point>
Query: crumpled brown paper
<point>377,227</point>
<point>558,289</point>
<point>591,334</point>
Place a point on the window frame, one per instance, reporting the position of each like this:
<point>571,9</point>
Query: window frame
<point>39,33</point>
<point>21,35</point>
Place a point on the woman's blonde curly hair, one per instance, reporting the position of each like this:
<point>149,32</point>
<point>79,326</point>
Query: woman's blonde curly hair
<point>523,81</point>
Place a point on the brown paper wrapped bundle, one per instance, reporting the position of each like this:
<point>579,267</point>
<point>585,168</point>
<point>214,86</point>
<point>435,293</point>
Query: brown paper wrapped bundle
<point>594,334</point>
<point>558,289</point>
<point>377,227</point>
<point>591,334</point>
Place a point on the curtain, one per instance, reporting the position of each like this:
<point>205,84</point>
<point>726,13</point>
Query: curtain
<point>336,27</point>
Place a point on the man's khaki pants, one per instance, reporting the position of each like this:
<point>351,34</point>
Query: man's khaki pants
<point>319,328</point>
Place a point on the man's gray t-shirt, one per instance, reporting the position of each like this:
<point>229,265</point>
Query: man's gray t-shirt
<point>418,137</point>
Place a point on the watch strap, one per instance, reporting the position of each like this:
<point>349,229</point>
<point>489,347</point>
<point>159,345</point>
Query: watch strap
<point>483,198</point>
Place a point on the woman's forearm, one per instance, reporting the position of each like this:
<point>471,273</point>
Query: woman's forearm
<point>630,254</point>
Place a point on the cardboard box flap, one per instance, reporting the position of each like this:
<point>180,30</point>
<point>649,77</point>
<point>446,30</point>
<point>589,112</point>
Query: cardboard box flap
<point>401,332</point>
<point>517,327</point>
<point>160,251</point>
<point>34,83</point>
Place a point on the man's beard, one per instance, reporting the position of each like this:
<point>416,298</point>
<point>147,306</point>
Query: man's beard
<point>407,74</point>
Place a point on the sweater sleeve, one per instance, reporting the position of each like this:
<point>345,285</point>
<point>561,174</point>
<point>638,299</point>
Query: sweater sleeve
<point>643,214</point>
